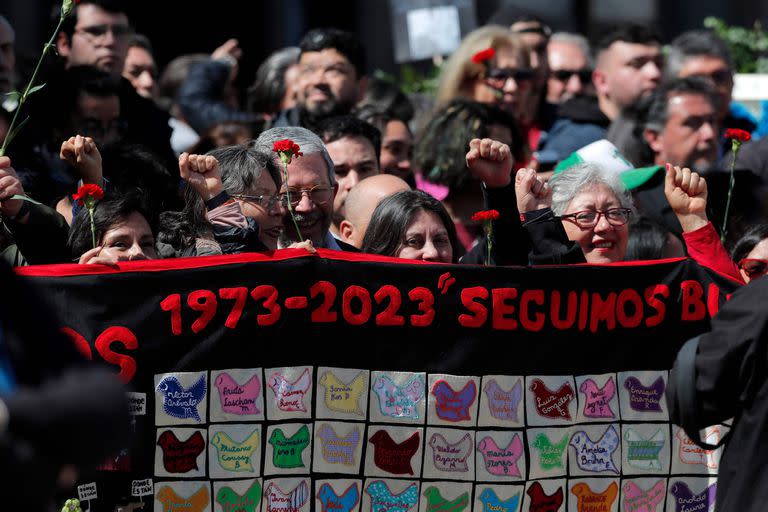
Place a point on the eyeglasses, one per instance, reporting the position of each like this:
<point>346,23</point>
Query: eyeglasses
<point>318,195</point>
<point>589,218</point>
<point>564,75</point>
<point>264,201</point>
<point>754,267</point>
<point>504,74</point>
<point>98,32</point>
<point>719,77</point>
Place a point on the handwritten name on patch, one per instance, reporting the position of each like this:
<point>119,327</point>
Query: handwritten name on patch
<point>237,398</point>
<point>552,404</point>
<point>343,397</point>
<point>234,456</point>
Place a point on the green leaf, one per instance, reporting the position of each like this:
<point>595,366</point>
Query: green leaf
<point>35,89</point>
<point>13,95</point>
<point>24,198</point>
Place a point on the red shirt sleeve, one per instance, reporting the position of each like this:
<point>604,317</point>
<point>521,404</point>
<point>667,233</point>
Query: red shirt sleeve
<point>705,248</point>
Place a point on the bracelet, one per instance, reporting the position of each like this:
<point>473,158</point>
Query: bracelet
<point>218,200</point>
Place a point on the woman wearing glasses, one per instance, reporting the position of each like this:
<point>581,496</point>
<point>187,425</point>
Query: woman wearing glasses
<point>751,253</point>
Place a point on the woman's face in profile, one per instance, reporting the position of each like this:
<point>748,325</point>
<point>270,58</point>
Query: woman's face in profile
<point>426,239</point>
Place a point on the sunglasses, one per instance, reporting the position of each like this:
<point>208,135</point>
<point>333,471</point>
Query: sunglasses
<point>754,267</point>
<point>564,75</point>
<point>719,77</point>
<point>503,74</point>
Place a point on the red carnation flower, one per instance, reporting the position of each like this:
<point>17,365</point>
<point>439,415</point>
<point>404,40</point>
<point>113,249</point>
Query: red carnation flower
<point>287,149</point>
<point>483,55</point>
<point>485,215</point>
<point>737,134</point>
<point>88,191</point>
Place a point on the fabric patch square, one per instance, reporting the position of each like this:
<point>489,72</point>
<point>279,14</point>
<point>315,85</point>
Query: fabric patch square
<point>386,495</point>
<point>338,447</point>
<point>499,456</point>
<point>641,396</point>
<point>593,495</point>
<point>689,458</point>
<point>394,451</point>
<point>237,395</point>
<point>190,496</point>
<point>453,400</point>
<point>645,448</point>
<point>234,451</point>
<point>545,496</point>
<point>548,449</point>
<point>445,497</point>
<point>498,498</point>
<point>342,495</point>
<point>342,393</point>
<point>643,494</point>
<point>180,398</point>
<point>287,495</point>
<point>686,494</point>
<point>550,400</point>
<point>449,454</point>
<point>289,392</point>
<point>288,449</point>
<point>241,495</point>
<point>595,450</point>
<point>501,401</point>
<point>180,452</point>
<point>598,398</point>
<point>398,397</point>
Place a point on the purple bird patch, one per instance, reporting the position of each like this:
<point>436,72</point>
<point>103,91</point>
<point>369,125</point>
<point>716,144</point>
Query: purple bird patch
<point>686,501</point>
<point>453,405</point>
<point>642,398</point>
<point>503,404</point>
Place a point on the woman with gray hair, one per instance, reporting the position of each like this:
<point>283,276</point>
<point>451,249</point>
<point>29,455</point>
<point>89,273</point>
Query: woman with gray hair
<point>580,215</point>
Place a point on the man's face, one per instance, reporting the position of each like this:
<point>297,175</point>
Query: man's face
<point>689,138</point>
<point>328,83</point>
<point>97,117</point>
<point>568,71</point>
<point>354,159</point>
<point>140,69</point>
<point>313,217</point>
<point>629,71</point>
<point>7,56</point>
<point>715,70</point>
<point>100,39</point>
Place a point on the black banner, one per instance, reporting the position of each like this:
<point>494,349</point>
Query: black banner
<point>295,382</point>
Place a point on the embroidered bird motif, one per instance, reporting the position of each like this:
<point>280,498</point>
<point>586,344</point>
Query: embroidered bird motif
<point>691,453</point>
<point>331,502</point>
<point>501,461</point>
<point>234,456</point>
<point>453,405</point>
<point>552,404</point>
<point>450,457</point>
<point>645,399</point>
<point>180,402</point>
<point>287,452</point>
<point>336,449</point>
<point>436,502</point>
<point>503,404</point>
<point>230,501</point>
<point>492,503</point>
<point>279,501</point>
<point>180,456</point>
<point>237,398</point>
<point>289,396</point>
<point>343,397</point>
<point>686,501</point>
<point>172,502</point>
<point>393,457</point>
<point>543,502</point>
<point>639,500</point>
<point>597,403</point>
<point>596,456</point>
<point>592,501</point>
<point>399,401</point>
<point>550,455</point>
<point>644,453</point>
<point>382,499</point>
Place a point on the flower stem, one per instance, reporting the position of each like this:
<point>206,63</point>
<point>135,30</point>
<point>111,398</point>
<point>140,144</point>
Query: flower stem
<point>31,83</point>
<point>731,183</point>
<point>290,205</point>
<point>93,227</point>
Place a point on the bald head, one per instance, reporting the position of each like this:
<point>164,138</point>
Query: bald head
<point>362,200</point>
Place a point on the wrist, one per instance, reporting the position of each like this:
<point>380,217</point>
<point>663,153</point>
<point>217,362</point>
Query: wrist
<point>692,222</point>
<point>218,200</point>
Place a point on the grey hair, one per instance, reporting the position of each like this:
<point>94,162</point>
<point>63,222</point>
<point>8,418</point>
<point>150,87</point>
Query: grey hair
<point>577,40</point>
<point>569,183</point>
<point>695,43</point>
<point>308,141</point>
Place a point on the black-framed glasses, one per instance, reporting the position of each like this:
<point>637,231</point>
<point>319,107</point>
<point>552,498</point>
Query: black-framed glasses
<point>564,75</point>
<point>119,31</point>
<point>319,195</point>
<point>754,267</point>
<point>268,202</point>
<point>503,74</point>
<point>589,218</point>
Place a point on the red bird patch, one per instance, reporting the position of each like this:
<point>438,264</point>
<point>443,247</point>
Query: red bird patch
<point>552,404</point>
<point>180,456</point>
<point>392,457</point>
<point>541,502</point>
